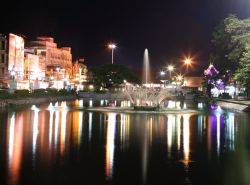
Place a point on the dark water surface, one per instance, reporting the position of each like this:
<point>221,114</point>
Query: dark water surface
<point>63,145</point>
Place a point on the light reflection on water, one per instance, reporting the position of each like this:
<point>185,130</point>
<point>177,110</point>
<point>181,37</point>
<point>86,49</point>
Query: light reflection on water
<point>50,134</point>
<point>14,147</point>
<point>110,144</point>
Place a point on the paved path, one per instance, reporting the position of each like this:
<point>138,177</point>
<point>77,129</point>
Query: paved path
<point>241,102</point>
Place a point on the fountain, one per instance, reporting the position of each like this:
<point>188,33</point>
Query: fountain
<point>146,98</point>
<point>146,70</point>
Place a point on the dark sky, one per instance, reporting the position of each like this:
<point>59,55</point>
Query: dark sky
<point>168,28</point>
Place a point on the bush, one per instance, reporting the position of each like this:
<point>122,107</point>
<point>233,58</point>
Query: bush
<point>39,92</point>
<point>62,92</point>
<point>100,91</point>
<point>242,94</point>
<point>4,94</point>
<point>226,96</point>
<point>72,91</point>
<point>52,91</point>
<point>22,93</point>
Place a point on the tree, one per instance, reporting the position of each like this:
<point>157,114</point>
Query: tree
<point>242,74</point>
<point>231,40</point>
<point>113,75</point>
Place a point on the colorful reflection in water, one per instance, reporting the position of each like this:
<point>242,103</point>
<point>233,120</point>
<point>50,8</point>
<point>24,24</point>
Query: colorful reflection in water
<point>110,144</point>
<point>44,139</point>
<point>14,147</point>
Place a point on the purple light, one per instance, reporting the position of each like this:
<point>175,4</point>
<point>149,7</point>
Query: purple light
<point>213,107</point>
<point>211,71</point>
<point>216,108</point>
<point>220,84</point>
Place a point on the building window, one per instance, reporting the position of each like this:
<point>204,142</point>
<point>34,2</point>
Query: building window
<point>3,45</point>
<point>2,58</point>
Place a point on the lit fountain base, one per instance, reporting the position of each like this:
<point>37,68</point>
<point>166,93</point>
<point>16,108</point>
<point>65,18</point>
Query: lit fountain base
<point>146,108</point>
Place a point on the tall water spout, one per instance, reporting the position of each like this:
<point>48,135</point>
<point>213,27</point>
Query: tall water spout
<point>146,67</point>
<point>146,71</point>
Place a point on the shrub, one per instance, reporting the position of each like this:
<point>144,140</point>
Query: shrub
<point>39,92</point>
<point>22,93</point>
<point>4,94</point>
<point>51,91</point>
<point>242,94</point>
<point>62,92</point>
<point>101,91</point>
<point>226,96</point>
<point>73,91</point>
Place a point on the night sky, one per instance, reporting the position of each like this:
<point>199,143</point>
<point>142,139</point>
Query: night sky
<point>170,29</point>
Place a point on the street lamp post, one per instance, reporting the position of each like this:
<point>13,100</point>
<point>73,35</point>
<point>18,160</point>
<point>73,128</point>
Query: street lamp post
<point>162,73</point>
<point>112,47</point>
<point>170,69</point>
<point>179,79</point>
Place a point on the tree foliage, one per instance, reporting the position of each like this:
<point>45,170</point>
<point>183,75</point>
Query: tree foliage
<point>112,75</point>
<point>231,40</point>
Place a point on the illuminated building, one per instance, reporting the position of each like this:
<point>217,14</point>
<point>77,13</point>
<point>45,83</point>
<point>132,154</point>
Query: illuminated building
<point>79,74</point>
<point>54,57</point>
<point>16,56</point>
<point>192,83</point>
<point>3,61</point>
<point>40,64</point>
<point>11,60</point>
<point>34,70</point>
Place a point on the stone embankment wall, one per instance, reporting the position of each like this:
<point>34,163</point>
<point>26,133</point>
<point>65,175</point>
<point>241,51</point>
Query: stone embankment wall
<point>103,96</point>
<point>234,105</point>
<point>38,100</point>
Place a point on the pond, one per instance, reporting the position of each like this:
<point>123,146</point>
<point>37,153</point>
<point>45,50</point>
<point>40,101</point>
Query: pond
<point>64,143</point>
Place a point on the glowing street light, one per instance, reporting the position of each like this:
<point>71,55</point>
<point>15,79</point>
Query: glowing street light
<point>179,77</point>
<point>188,62</point>
<point>170,68</point>
<point>162,73</point>
<point>112,47</point>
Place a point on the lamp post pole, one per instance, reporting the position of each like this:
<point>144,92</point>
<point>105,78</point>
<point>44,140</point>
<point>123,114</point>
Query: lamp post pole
<point>162,73</point>
<point>112,47</point>
<point>112,55</point>
<point>170,69</point>
<point>57,78</point>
